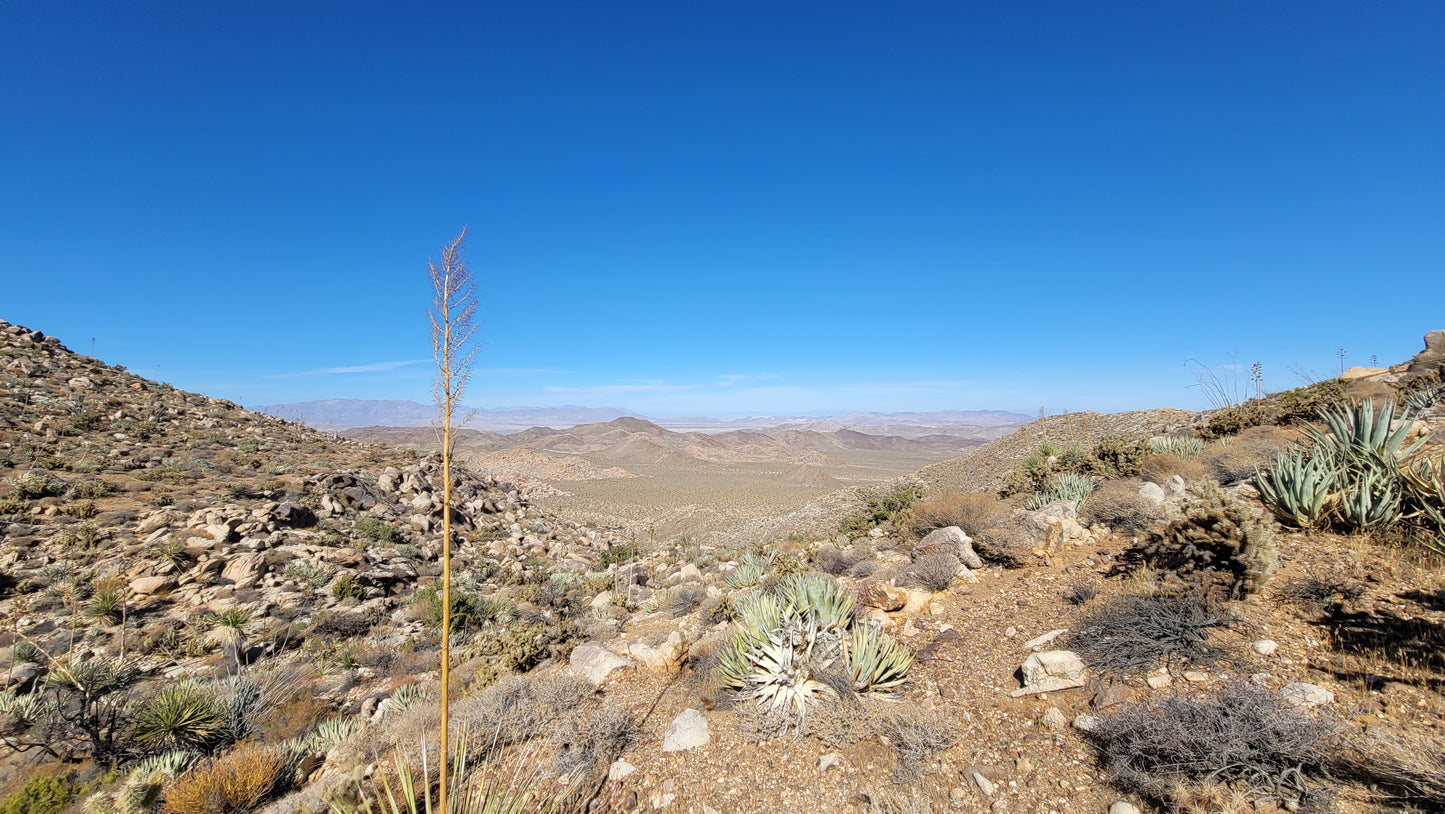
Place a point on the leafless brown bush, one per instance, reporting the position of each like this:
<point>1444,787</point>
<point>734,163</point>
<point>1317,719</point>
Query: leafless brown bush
<point>682,601</point>
<point>932,571</point>
<point>590,740</point>
<point>1243,735</point>
<point>971,511</point>
<point>1235,459</point>
<point>1118,505</point>
<point>1133,633</point>
<point>916,734</point>
<point>1409,767</point>
<point>1159,468</point>
<point>830,560</point>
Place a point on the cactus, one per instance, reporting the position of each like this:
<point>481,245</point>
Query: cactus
<point>1219,537</point>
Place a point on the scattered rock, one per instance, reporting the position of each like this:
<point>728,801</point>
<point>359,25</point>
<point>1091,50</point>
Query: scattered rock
<point>148,586</point>
<point>881,595</point>
<point>830,761</point>
<point>1051,671</point>
<point>1265,647</point>
<point>619,769</point>
<point>595,663</point>
<point>984,784</point>
<point>1152,492</point>
<point>1123,807</point>
<point>1047,638</point>
<point>1301,694</point>
<point>688,731</point>
<point>951,540</point>
<point>1053,718</point>
<point>1159,681</point>
<point>1088,723</point>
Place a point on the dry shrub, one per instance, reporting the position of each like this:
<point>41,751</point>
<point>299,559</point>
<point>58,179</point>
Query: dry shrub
<point>1159,468</point>
<point>1133,633</point>
<point>1235,459</point>
<point>932,571</point>
<point>515,709</point>
<point>591,740</point>
<point>1243,735</point>
<point>973,512</point>
<point>1408,766</point>
<point>231,784</point>
<point>294,718</point>
<point>916,734</point>
<point>682,601</point>
<point>1118,505</point>
<point>830,560</point>
<point>863,569</point>
<point>1010,545</point>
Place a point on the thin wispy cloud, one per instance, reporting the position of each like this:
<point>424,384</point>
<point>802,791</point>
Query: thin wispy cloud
<point>373,367</point>
<point>651,386</point>
<point>730,379</point>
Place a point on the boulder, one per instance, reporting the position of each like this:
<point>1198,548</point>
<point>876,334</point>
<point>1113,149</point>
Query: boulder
<point>147,586</point>
<point>881,595</point>
<point>1300,694</point>
<point>950,540</point>
<point>1152,492</point>
<point>1432,357</point>
<point>246,570</point>
<point>595,663</point>
<point>1051,671</point>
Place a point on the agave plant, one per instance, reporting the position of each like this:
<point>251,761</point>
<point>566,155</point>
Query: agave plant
<point>875,661</point>
<point>1064,486</point>
<point>1175,445</point>
<point>141,790</point>
<point>1299,487</point>
<point>187,715</point>
<point>745,576</point>
<point>1369,498</point>
<point>1357,432</point>
<point>1425,482</point>
<point>802,644</point>
<point>408,695</point>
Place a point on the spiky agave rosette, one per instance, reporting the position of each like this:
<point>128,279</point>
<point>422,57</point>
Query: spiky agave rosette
<point>802,643</point>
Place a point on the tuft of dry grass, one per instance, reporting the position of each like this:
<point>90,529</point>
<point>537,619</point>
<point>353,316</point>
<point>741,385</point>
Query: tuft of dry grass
<point>1234,459</point>
<point>932,571</point>
<point>916,734</point>
<point>1118,505</point>
<point>1160,467</point>
<point>233,783</point>
<point>974,512</point>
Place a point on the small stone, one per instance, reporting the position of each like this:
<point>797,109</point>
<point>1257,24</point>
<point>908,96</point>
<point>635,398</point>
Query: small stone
<point>1265,647</point>
<point>1152,492</point>
<point>1053,718</point>
<point>1123,807</point>
<point>830,761</point>
<point>688,731</point>
<point>1301,694</point>
<point>957,794</point>
<point>595,663</point>
<point>1111,696</point>
<point>1088,723</point>
<point>984,784</point>
<point>1195,676</point>
<point>619,769</point>
<point>1011,632</point>
<point>1159,681</point>
<point>1039,641</point>
<point>146,586</point>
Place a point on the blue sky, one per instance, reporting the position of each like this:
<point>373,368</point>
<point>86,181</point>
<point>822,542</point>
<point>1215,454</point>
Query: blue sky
<point>728,208</point>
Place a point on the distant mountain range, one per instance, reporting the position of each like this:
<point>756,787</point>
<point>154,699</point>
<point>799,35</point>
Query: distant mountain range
<point>345,413</point>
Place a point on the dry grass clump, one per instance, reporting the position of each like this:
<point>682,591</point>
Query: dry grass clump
<point>932,571</point>
<point>830,560</point>
<point>591,740</point>
<point>1315,591</point>
<point>682,601</point>
<point>1132,634</point>
<point>1234,459</point>
<point>1118,505</point>
<point>916,734</point>
<point>234,783</point>
<point>1409,767</point>
<point>974,512</point>
<point>1241,739</point>
<point>1161,467</point>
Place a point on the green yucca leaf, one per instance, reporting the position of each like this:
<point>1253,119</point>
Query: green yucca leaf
<point>187,714</point>
<point>876,661</point>
<point>1298,487</point>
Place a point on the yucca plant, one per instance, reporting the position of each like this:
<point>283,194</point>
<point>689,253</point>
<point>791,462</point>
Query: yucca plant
<point>875,661</point>
<point>403,790</point>
<point>1299,487</point>
<point>141,791</point>
<point>107,605</point>
<point>408,695</point>
<point>803,643</point>
<point>1175,445</point>
<point>187,715</point>
<point>1063,486</point>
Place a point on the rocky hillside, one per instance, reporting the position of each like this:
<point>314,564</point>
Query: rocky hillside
<point>209,610</point>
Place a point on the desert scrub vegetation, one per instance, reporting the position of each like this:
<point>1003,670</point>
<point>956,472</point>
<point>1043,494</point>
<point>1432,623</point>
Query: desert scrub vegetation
<point>1296,406</point>
<point>802,642</point>
<point>1132,634</point>
<point>39,795</point>
<point>233,783</point>
<point>1357,475</point>
<point>1118,505</point>
<point>1242,741</point>
<point>882,507</point>
<point>1216,541</point>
